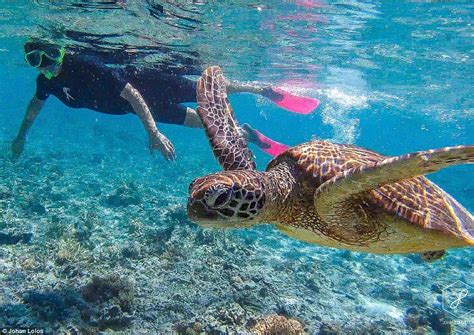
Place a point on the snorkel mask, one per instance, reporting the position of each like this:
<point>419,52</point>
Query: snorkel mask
<point>47,59</point>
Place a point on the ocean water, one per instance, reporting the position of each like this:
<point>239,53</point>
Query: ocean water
<point>94,235</point>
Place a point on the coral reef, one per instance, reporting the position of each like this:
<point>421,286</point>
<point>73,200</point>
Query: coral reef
<point>113,251</point>
<point>113,302</point>
<point>276,325</point>
<point>70,251</point>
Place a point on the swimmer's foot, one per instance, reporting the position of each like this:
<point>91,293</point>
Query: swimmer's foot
<point>268,145</point>
<point>293,103</point>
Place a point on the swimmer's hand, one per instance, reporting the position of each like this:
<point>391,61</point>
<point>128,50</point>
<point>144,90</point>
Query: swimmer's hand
<point>17,147</point>
<point>160,142</point>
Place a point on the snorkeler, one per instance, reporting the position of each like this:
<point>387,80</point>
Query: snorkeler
<point>81,81</point>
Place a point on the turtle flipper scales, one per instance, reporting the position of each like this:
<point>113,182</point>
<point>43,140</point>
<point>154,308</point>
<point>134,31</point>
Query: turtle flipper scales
<point>225,137</point>
<point>396,184</point>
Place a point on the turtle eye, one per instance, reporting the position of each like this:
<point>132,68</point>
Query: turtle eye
<point>219,197</point>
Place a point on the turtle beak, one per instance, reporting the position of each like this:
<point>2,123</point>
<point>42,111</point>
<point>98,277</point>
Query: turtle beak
<point>198,213</point>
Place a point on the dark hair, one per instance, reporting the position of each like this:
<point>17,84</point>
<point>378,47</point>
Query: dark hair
<point>39,45</point>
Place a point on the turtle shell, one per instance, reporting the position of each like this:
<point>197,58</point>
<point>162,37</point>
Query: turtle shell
<point>416,200</point>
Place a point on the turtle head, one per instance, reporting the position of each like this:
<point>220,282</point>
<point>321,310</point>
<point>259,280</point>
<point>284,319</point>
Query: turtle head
<point>227,199</point>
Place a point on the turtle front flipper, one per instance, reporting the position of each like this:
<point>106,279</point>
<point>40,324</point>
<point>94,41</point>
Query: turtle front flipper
<point>227,141</point>
<point>395,185</point>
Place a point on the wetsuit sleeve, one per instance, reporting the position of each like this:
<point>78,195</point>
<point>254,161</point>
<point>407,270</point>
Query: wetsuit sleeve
<point>119,80</point>
<point>42,88</point>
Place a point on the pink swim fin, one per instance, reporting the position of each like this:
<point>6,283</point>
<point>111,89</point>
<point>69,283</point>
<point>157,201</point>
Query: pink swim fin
<point>291,102</point>
<point>270,146</point>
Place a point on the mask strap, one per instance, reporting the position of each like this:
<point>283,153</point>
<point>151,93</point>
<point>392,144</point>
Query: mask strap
<point>62,52</point>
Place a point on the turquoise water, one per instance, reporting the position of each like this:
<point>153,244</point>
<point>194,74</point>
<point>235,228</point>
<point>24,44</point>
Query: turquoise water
<point>391,77</point>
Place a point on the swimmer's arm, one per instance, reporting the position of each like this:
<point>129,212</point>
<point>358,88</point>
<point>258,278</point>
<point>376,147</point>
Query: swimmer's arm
<point>157,139</point>
<point>32,111</point>
<point>140,108</point>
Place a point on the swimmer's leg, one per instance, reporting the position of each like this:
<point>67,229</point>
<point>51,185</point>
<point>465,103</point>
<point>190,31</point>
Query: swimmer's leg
<point>192,119</point>
<point>282,98</point>
<point>265,143</point>
<point>268,145</point>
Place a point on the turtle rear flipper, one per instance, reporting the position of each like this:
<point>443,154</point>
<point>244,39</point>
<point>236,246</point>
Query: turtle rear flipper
<point>227,141</point>
<point>431,256</point>
<point>395,184</point>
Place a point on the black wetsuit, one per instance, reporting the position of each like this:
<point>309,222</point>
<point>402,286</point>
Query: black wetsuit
<point>85,82</point>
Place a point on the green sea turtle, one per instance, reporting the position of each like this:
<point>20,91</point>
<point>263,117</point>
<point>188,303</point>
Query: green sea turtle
<point>335,195</point>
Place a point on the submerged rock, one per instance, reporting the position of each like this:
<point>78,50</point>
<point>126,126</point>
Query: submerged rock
<point>124,196</point>
<point>439,321</point>
<point>49,305</point>
<point>102,289</point>
<point>111,301</point>
<point>329,329</point>
<point>5,192</point>
<point>418,319</point>
<point>33,205</point>
<point>14,238</point>
<point>113,317</point>
<point>192,328</point>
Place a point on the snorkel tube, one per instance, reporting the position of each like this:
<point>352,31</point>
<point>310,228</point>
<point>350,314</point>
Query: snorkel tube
<point>51,72</point>
<point>44,56</point>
